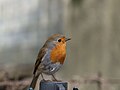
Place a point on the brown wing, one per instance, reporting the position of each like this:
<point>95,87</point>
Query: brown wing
<point>39,58</point>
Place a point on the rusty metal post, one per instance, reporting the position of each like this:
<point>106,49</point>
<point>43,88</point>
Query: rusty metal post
<point>49,85</point>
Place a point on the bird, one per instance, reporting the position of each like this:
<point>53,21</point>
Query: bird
<point>50,58</point>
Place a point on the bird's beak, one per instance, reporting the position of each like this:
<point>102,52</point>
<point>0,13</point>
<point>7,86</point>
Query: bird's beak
<point>67,39</point>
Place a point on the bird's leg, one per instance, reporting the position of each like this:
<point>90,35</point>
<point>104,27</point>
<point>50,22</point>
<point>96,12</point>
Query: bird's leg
<point>42,77</point>
<point>54,78</point>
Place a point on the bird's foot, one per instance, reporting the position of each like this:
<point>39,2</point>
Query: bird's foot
<point>55,80</point>
<point>46,80</point>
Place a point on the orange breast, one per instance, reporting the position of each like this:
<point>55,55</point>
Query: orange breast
<point>58,54</point>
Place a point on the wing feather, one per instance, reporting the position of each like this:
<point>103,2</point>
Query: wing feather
<point>39,58</point>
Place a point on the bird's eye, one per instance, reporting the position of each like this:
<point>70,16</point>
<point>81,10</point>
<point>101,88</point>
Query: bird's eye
<point>59,40</point>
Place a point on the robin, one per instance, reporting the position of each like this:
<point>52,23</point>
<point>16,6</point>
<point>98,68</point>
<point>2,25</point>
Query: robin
<point>50,57</point>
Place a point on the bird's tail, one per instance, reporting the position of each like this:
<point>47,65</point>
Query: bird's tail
<point>34,81</point>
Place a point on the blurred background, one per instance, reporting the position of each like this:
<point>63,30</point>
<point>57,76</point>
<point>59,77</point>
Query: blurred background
<point>93,26</point>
